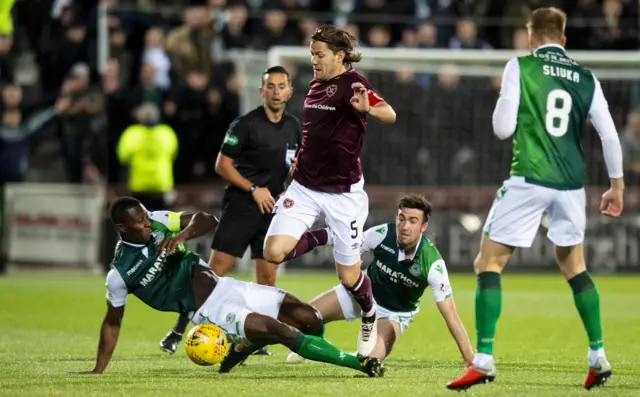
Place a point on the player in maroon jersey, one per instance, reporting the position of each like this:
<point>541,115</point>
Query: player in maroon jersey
<point>327,178</point>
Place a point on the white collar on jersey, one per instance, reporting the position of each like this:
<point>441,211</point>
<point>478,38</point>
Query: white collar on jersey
<point>548,46</point>
<point>132,244</point>
<point>402,256</point>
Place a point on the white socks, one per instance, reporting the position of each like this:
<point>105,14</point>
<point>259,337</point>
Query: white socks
<point>593,355</point>
<point>482,360</point>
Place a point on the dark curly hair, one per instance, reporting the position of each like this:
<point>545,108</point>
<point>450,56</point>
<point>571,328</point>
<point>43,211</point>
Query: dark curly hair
<point>418,202</point>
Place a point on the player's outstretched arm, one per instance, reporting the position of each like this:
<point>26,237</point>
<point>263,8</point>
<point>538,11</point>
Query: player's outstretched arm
<point>438,279</point>
<point>109,333</point>
<point>448,310</point>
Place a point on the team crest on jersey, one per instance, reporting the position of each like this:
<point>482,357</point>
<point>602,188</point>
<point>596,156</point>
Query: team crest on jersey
<point>331,90</point>
<point>287,203</point>
<point>415,269</point>
<point>230,318</point>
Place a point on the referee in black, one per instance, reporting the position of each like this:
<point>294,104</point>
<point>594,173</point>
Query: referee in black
<point>254,159</point>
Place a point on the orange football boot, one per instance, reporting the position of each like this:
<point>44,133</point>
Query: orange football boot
<point>598,375</point>
<point>473,376</point>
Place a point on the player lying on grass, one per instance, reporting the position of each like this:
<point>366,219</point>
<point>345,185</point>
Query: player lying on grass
<point>404,264</point>
<point>544,102</point>
<point>152,263</point>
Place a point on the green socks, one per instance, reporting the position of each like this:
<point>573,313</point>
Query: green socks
<point>587,300</point>
<point>488,306</point>
<point>317,349</point>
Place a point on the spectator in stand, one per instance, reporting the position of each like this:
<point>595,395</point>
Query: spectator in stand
<point>187,105</point>
<point>147,90</point>
<point>427,35</point>
<point>67,51</point>
<point>307,27</point>
<point>76,127</point>
<point>614,32</point>
<point>275,31</point>
<point>155,55</point>
<point>467,36</point>
<point>521,39</point>
<point>354,30</point>
<point>16,137</point>
<point>119,50</point>
<point>190,44</point>
<point>379,36</point>
<point>119,113</point>
<point>234,33</point>
<point>409,39</point>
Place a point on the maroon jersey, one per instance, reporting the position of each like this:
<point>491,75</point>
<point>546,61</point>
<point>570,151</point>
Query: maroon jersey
<point>332,135</point>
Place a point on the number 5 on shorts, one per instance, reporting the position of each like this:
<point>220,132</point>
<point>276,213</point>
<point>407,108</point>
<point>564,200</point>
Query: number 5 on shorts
<point>355,229</point>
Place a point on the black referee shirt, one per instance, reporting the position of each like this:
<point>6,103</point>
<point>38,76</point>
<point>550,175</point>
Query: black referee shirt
<point>262,150</point>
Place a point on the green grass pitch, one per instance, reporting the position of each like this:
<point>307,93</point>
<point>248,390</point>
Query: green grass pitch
<point>49,325</point>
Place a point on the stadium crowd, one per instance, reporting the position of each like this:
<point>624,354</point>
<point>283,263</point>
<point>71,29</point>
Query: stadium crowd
<point>170,57</point>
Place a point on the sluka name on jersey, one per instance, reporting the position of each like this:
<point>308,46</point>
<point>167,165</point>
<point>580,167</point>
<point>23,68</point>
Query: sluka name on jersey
<point>556,71</point>
<point>154,270</point>
<point>395,276</point>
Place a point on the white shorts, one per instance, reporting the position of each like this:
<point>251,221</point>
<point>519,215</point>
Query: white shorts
<point>232,301</point>
<point>519,206</point>
<point>345,214</point>
<point>351,310</point>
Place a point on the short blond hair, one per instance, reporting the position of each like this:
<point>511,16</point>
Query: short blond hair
<point>547,23</point>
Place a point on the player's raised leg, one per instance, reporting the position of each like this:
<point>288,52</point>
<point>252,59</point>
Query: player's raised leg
<point>345,215</point>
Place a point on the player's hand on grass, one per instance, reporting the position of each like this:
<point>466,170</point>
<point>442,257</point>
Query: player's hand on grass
<point>612,202</point>
<point>360,98</point>
<point>170,244</point>
<point>263,198</point>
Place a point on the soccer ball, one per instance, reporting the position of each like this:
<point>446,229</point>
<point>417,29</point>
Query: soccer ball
<point>206,344</point>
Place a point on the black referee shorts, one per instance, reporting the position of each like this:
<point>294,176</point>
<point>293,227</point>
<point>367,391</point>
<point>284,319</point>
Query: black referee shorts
<point>241,225</point>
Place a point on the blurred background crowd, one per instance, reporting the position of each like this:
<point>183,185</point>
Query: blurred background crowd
<point>67,117</point>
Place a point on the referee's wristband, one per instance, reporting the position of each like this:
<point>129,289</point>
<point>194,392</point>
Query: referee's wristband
<point>252,188</point>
